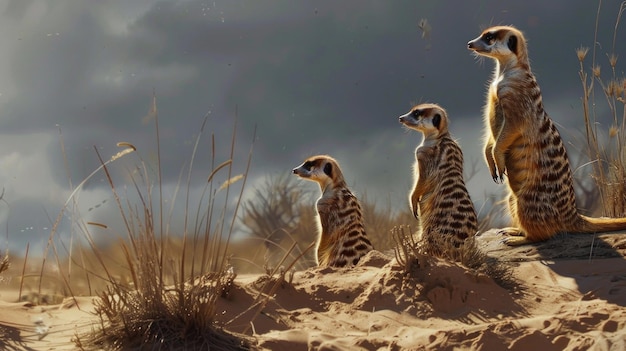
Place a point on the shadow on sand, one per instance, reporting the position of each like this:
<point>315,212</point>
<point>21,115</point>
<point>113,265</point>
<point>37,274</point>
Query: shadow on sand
<point>11,340</point>
<point>588,259</point>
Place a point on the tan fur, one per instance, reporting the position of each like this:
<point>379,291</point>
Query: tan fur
<point>439,198</point>
<point>522,142</point>
<point>342,240</point>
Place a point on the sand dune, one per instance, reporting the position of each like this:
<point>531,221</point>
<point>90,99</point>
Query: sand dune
<point>570,295</point>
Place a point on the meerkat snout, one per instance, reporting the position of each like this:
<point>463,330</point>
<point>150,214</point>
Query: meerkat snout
<point>426,119</point>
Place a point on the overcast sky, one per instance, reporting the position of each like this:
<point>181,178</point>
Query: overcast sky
<point>312,77</point>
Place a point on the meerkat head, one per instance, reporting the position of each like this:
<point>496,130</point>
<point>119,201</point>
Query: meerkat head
<point>430,119</point>
<point>502,43</point>
<point>322,169</point>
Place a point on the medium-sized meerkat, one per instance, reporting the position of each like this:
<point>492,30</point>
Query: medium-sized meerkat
<point>342,240</point>
<point>522,142</point>
<point>439,198</point>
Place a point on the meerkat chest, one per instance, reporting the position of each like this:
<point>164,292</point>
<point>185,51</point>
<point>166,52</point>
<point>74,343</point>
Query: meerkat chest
<point>331,205</point>
<point>497,80</point>
<point>493,91</point>
<point>493,113</point>
<point>426,159</point>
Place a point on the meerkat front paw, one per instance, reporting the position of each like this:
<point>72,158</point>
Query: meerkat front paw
<point>415,204</point>
<point>497,175</point>
<point>513,236</point>
<point>516,241</point>
<point>491,163</point>
<point>500,167</point>
<point>510,231</point>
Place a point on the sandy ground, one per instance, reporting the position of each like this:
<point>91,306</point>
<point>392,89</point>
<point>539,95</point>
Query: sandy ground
<point>570,295</point>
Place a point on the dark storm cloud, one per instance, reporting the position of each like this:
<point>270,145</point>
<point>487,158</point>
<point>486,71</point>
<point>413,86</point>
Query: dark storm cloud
<point>311,77</point>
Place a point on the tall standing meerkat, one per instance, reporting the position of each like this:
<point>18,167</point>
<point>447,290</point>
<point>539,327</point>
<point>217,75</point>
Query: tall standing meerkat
<point>522,142</point>
<point>342,240</point>
<point>439,197</point>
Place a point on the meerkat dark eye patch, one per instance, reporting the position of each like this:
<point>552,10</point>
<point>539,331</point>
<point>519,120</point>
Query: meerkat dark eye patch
<point>416,113</point>
<point>436,120</point>
<point>307,165</point>
<point>512,43</point>
<point>328,169</point>
<point>489,37</point>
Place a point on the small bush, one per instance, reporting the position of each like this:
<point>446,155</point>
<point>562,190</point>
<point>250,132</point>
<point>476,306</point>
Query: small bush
<point>280,215</point>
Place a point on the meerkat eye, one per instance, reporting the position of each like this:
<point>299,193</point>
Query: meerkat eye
<point>489,37</point>
<point>416,113</point>
<point>307,165</point>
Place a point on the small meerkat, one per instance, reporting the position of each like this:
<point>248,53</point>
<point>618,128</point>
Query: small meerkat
<point>439,197</point>
<point>342,240</point>
<point>522,142</point>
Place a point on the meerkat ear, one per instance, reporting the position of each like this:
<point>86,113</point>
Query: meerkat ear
<point>512,44</point>
<point>436,120</point>
<point>328,169</point>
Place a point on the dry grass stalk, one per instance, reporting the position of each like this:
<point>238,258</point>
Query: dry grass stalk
<point>606,152</point>
<point>413,253</point>
<point>167,299</point>
<point>19,296</point>
<point>267,291</point>
<point>4,262</point>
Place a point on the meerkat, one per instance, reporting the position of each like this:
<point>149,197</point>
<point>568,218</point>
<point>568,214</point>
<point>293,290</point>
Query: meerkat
<point>342,240</point>
<point>439,198</point>
<point>522,142</point>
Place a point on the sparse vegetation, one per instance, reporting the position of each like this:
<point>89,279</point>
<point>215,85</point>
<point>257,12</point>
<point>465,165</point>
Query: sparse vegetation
<point>380,221</point>
<point>4,259</point>
<point>168,296</point>
<point>280,214</point>
<point>158,290</point>
<point>411,254</point>
<point>4,262</point>
<point>605,146</point>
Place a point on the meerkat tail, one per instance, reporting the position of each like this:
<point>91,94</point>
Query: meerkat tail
<point>597,225</point>
<point>523,143</point>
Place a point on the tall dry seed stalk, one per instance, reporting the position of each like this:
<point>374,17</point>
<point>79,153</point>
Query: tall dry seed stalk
<point>168,299</point>
<point>4,259</point>
<point>608,156</point>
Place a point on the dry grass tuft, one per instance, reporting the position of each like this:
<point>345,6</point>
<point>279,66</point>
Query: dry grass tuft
<point>605,144</point>
<point>411,254</point>
<point>4,262</point>
<point>166,298</point>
